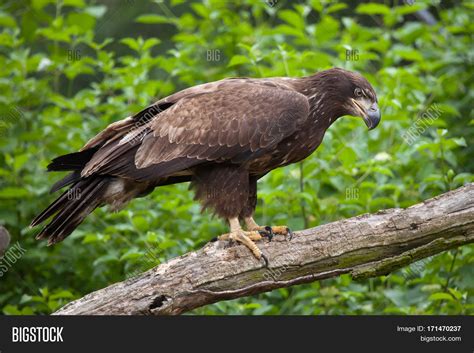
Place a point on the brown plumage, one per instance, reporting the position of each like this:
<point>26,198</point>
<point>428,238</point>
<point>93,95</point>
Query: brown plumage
<point>221,136</point>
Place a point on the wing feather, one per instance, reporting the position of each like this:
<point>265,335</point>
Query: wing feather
<point>251,117</point>
<point>226,120</point>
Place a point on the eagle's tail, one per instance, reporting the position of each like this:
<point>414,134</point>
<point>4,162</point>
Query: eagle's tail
<point>73,161</point>
<point>71,208</point>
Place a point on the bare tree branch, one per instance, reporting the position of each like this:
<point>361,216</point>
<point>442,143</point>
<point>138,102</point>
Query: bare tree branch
<point>365,246</point>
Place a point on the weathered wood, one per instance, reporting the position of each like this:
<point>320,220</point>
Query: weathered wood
<point>364,246</point>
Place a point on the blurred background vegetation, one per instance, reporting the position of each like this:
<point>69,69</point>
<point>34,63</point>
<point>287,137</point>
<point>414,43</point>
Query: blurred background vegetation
<point>70,67</point>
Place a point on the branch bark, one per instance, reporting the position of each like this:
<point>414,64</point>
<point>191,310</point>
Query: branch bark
<point>364,246</point>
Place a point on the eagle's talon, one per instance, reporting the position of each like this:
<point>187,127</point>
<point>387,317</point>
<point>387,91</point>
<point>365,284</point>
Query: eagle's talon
<point>270,233</point>
<point>266,232</point>
<point>230,243</point>
<point>289,234</point>
<point>280,230</point>
<point>265,259</point>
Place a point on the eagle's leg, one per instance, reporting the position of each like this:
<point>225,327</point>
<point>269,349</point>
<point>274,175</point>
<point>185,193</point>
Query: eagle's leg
<point>246,238</point>
<point>253,226</point>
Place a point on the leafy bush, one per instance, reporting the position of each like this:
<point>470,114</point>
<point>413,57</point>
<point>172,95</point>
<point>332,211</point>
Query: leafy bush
<point>71,67</point>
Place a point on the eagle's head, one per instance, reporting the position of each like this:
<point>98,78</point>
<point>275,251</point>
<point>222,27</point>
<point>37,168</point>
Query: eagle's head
<point>348,93</point>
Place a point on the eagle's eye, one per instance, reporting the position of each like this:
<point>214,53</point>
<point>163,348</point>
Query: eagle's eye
<point>358,92</point>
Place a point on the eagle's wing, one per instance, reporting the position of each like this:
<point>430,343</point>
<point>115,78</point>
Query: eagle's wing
<point>228,121</point>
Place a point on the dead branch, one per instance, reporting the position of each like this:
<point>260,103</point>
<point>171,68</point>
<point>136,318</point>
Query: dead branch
<point>364,246</point>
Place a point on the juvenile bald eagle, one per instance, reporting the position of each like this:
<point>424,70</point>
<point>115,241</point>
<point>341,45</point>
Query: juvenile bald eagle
<point>221,136</point>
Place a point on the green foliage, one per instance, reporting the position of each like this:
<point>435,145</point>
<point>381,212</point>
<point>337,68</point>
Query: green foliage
<point>68,71</point>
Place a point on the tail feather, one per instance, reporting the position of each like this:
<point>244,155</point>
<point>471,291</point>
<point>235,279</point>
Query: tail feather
<point>50,210</point>
<point>71,209</point>
<point>69,179</point>
<point>72,161</point>
<point>75,211</point>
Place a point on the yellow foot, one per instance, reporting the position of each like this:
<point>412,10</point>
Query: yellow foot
<point>246,238</point>
<point>268,231</point>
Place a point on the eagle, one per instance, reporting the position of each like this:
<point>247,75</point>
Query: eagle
<point>221,136</point>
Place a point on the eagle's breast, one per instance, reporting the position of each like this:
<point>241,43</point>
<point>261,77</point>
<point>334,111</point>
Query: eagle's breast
<point>291,150</point>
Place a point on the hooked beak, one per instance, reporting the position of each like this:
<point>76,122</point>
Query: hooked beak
<point>370,114</point>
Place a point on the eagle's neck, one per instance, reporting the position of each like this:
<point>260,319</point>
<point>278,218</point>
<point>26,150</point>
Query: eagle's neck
<point>321,111</point>
<point>323,102</point>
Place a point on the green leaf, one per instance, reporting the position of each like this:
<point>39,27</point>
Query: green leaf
<point>131,254</point>
<point>201,10</point>
<point>62,294</point>
<point>407,9</point>
<point>96,11</point>
<point>110,258</point>
<point>408,53</point>
<point>83,20</point>
<point>456,294</point>
<point>140,223</point>
<point>6,40</point>
<point>11,310</point>
<point>152,19</point>
<point>149,43</point>
<point>440,296</point>
<point>74,3</point>
<point>292,18</point>
<point>238,60</point>
<point>373,9</point>
<point>132,43</point>
<point>44,292</point>
<point>460,141</point>
<point>39,4</point>
<point>55,35</point>
<point>347,156</point>
<point>6,20</point>
<point>383,170</point>
<point>13,193</point>
<point>335,8</point>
